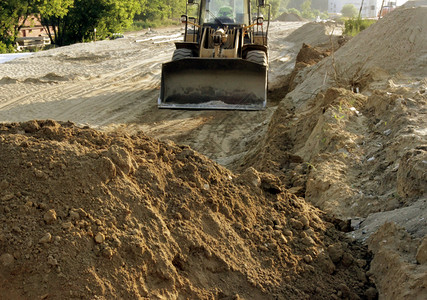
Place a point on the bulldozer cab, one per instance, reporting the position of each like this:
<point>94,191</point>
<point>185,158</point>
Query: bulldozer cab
<point>222,62</point>
<point>223,12</point>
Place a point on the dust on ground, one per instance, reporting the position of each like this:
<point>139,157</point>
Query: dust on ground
<point>345,131</point>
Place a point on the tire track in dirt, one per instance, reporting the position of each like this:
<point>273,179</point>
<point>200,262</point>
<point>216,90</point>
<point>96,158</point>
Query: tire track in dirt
<point>116,84</point>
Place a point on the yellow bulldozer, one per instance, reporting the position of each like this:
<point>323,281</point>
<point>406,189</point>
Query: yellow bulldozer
<point>222,62</point>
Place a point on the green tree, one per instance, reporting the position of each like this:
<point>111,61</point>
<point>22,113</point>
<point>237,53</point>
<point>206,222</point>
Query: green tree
<point>284,5</point>
<point>52,13</point>
<point>275,4</point>
<point>294,11</point>
<point>349,11</point>
<point>79,19</point>
<point>13,14</point>
<point>306,11</point>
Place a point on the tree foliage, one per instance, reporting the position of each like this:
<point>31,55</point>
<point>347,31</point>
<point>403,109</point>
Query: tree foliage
<point>349,11</point>
<point>13,14</point>
<point>71,21</point>
<point>80,18</point>
<point>306,11</point>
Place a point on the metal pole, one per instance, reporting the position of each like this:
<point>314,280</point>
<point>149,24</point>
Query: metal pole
<point>381,10</point>
<point>360,10</point>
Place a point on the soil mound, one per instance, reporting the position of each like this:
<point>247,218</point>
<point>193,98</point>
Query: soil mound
<point>400,259</point>
<point>309,55</point>
<point>394,46</point>
<point>313,33</point>
<point>351,139</point>
<point>290,17</point>
<point>396,43</point>
<point>86,214</point>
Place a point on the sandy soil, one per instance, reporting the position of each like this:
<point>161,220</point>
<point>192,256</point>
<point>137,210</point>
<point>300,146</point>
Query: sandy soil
<point>111,84</point>
<point>344,136</point>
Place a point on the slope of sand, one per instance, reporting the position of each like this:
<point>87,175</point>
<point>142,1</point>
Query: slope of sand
<point>362,156</point>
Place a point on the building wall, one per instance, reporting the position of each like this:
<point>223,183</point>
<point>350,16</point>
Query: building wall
<point>371,8</point>
<point>33,28</point>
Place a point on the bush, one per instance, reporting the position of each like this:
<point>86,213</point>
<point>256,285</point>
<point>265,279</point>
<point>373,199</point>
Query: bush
<point>354,26</point>
<point>5,48</point>
<point>294,11</point>
<point>349,11</point>
<point>140,25</point>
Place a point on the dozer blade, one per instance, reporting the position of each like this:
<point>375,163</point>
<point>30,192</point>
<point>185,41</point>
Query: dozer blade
<point>213,83</point>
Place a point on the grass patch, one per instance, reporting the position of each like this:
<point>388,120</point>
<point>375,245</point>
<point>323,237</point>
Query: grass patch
<point>354,26</point>
<point>140,24</point>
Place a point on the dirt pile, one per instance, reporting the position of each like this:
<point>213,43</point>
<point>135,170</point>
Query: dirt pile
<point>351,139</point>
<point>399,258</point>
<point>307,56</point>
<point>86,214</point>
<point>314,34</point>
<point>393,47</point>
<point>289,17</point>
<point>283,51</point>
<point>359,158</point>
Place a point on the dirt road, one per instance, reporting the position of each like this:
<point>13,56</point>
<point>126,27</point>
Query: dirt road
<point>112,84</point>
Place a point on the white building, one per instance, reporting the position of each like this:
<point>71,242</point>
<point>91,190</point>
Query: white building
<point>370,9</point>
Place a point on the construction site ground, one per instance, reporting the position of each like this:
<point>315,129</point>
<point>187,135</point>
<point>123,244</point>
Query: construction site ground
<point>322,195</point>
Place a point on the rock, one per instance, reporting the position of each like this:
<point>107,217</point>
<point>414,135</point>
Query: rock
<point>288,233</point>
<point>347,259</point>
<point>325,263</point>
<point>105,168</point>
<point>308,241</point>
<point>278,227</point>
<point>52,261</point>
<point>99,238</point>
<point>344,290</point>
<point>7,259</point>
<point>40,174</point>
<point>362,263</point>
<point>304,221</point>
<point>82,213</point>
<point>308,259</point>
<point>50,216</point>
<point>422,252</point>
<point>270,183</point>
<point>107,252</point>
<point>250,175</point>
<point>30,126</point>
<point>283,239</point>
<point>123,159</point>
<point>371,293</point>
<point>74,215</point>
<point>335,252</point>
<point>4,184</point>
<point>296,224</point>
<point>46,238</point>
<point>67,225</point>
<point>361,275</point>
<point>7,197</point>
